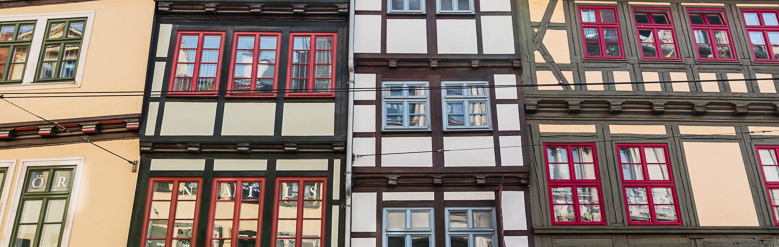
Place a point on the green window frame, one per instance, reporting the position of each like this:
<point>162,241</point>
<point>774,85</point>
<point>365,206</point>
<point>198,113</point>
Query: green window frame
<point>61,50</point>
<point>15,42</point>
<point>43,206</point>
<point>3,175</point>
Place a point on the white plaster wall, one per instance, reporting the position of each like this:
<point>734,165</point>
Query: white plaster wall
<point>495,5</point>
<point>556,42</point>
<point>301,165</point>
<point>508,117</point>
<point>406,36</point>
<point>516,241</point>
<point>364,118</point>
<point>249,119</point>
<point>156,82</point>
<point>505,86</point>
<point>188,118</point>
<point>363,242</point>
<point>177,164</point>
<point>406,144</point>
<point>511,151</point>
<point>469,196</point>
<point>240,165</point>
<point>408,196</point>
<point>163,40</point>
<point>308,119</point>
<point>482,155</point>
<point>364,146</point>
<point>456,36</point>
<point>513,205</point>
<point>367,5</point>
<point>364,212</point>
<point>366,82</point>
<point>497,34</point>
<point>151,118</point>
<point>367,33</point>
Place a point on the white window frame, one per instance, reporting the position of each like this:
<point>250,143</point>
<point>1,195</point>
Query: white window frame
<point>41,21</point>
<point>9,172</point>
<point>466,100</point>
<point>408,232</point>
<point>455,8</point>
<point>78,163</point>
<point>405,7</point>
<point>405,99</point>
<point>471,231</point>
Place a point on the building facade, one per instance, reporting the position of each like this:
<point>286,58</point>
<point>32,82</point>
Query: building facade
<point>243,139</point>
<point>651,123</point>
<point>437,133</point>
<point>56,189</point>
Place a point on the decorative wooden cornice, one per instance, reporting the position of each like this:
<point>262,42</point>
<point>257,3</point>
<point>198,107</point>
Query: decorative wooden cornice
<point>438,179</point>
<point>14,135</point>
<point>437,62</point>
<point>256,7</point>
<point>242,147</point>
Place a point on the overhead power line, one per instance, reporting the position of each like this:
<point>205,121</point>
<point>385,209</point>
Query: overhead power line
<point>23,95</point>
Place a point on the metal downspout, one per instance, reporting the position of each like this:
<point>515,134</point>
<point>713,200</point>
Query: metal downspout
<point>349,135</point>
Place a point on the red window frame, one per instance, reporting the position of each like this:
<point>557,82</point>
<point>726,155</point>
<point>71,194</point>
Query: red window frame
<point>655,27</point>
<point>710,29</point>
<point>298,238</point>
<point>601,26</point>
<point>172,214</point>
<point>311,63</point>
<point>255,64</point>
<point>764,29</point>
<point>197,64</point>
<point>648,184</point>
<point>237,201</point>
<point>573,183</point>
<point>770,185</point>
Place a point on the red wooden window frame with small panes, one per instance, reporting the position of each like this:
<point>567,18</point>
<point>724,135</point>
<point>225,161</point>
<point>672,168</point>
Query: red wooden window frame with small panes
<point>770,42</point>
<point>300,218</point>
<point>254,77</point>
<point>311,63</point>
<point>769,168</point>
<point>576,183</point>
<point>173,90</point>
<point>655,28</point>
<point>173,213</point>
<point>710,30</point>
<point>646,181</point>
<point>221,199</point>
<point>600,26</point>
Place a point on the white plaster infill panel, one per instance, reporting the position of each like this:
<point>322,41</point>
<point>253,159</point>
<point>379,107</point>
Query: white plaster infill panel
<point>188,118</point>
<point>364,82</point>
<point>178,164</point>
<point>408,196</point>
<point>469,151</point>
<point>364,241</point>
<point>151,118</point>
<point>469,196</point>
<point>497,35</point>
<point>457,36</point>
<point>364,149</point>
<point>301,165</point>
<point>367,33</point>
<point>240,165</point>
<point>156,81</point>
<point>163,42</point>
<point>406,36</point>
<point>308,119</point>
<point>513,205</point>
<point>505,86</point>
<point>393,151</point>
<point>511,151</point>
<point>516,241</point>
<point>368,5</point>
<point>364,120</point>
<point>508,117</point>
<point>495,5</point>
<point>364,210</point>
<point>250,119</point>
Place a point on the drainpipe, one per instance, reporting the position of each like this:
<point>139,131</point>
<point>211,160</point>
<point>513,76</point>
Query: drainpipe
<point>349,130</point>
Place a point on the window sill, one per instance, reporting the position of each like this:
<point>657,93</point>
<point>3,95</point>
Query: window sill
<point>405,13</point>
<point>15,86</point>
<point>455,13</point>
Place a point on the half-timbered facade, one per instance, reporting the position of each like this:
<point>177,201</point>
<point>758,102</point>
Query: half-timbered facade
<point>244,125</point>
<point>651,123</point>
<point>437,137</point>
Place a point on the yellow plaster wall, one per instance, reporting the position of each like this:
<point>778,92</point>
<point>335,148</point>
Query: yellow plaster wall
<point>566,128</point>
<point>638,129</point>
<point>106,183</point>
<point>720,203</point>
<point>116,61</point>
<point>538,9</point>
<point>556,41</point>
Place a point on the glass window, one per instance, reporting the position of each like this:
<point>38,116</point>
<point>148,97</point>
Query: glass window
<point>43,207</point>
<point>409,6</point>
<point>15,41</point>
<point>197,63</point>
<point>61,49</point>
<point>455,6</point>
<point>656,34</point>
<point>170,218</point>
<point>254,68</point>
<point>408,227</point>
<point>466,105</point>
<point>600,32</point>
<point>300,219</point>
<point>763,33</point>
<point>650,193</point>
<point>766,157</point>
<point>574,184</point>
<point>236,217</point>
<point>712,35</point>
<point>312,65</point>
<point>405,105</point>
<point>471,227</point>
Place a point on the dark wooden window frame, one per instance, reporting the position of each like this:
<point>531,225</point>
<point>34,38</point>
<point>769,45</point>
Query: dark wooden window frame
<point>172,213</point>
<point>44,196</point>
<point>764,30</point>
<point>300,219</point>
<point>655,28</point>
<point>237,201</point>
<point>648,184</point>
<point>710,29</point>
<point>773,202</point>
<point>13,44</point>
<point>255,63</point>
<point>311,78</point>
<point>574,184</point>
<point>600,26</point>
<point>63,43</point>
<point>197,62</point>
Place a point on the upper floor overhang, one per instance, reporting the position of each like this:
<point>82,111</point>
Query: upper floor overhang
<point>259,7</point>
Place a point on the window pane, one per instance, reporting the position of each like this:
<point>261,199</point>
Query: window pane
<point>649,50</point>
<point>182,229</point>
<point>324,43</point>
<point>55,210</point>
<point>770,19</point>
<point>288,209</point>
<point>646,36</point>
<point>211,41</point>
<point>668,50</point>
<point>562,195</point>
<point>662,196</point>
<point>610,35</point>
<point>479,120</point>
<point>559,171</point>
<point>185,209</point>
<point>557,154</point>
<point>665,213</point>
<point>50,235</point>
<point>396,219</point>
<point>655,155</point>
<point>761,52</point>
<point>250,191</point>
<point>312,209</point>
<point>68,69</point>
<point>587,195</point>
<point>245,42</point>
<point>7,33</point>
<point>226,191</point>
<point>756,38</point>
<point>286,228</point>
<point>607,16</point>
<point>714,19</point>
<point>243,56</point>
<point>767,157</point>
<point>458,219</point>
<point>414,5</point>
<point>612,50</point>
<point>56,30</point>
<point>285,243</point>
<point>455,120</point>
<point>31,210</point>
<point>771,173</point>
<point>588,16</point>
<point>446,5</point>
<point>724,51</point>
<point>455,108</point>
<point>223,210</point>
<point>37,181</point>
<point>420,241</point>
<point>721,37</point>
<point>458,241</point>
<point>585,171</point>
<point>396,241</point>
<point>420,219</point>
<point>751,19</point>
<point>590,34</point>
<point>639,213</point>
<point>636,195</point>
<point>660,18</point>
<point>416,108</point>
<point>665,36</point>
<point>582,154</point>
<point>482,219</point>
<point>641,18</point>
<point>630,155</point>
<point>322,71</point>
<point>464,5</point>
<point>162,191</point>
<point>705,51</point>
<point>590,213</point>
<point>632,172</point>
<point>61,180</point>
<point>189,41</point>
<point>25,234</point>
<point>268,42</point>
<point>564,213</point>
<point>773,38</point>
<point>25,32</point>
<point>250,209</point>
<point>312,228</point>
<point>593,49</point>
<point>657,172</point>
<point>396,5</point>
<point>696,19</point>
<point>774,196</point>
<point>76,29</point>
<point>157,229</point>
<point>187,191</point>
<point>701,37</point>
<point>313,191</point>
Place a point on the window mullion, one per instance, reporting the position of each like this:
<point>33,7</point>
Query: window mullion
<point>311,64</point>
